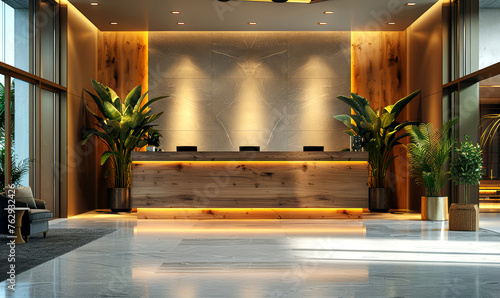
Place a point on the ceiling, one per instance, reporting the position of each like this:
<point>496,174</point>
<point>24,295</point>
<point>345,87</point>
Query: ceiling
<point>212,15</point>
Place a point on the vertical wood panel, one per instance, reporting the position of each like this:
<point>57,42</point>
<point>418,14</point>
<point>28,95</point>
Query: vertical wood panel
<point>379,73</point>
<point>122,64</point>
<point>379,66</point>
<point>123,60</point>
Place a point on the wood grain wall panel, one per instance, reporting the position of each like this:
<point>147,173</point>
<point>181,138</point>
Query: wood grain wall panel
<point>122,64</point>
<point>123,60</point>
<point>379,73</point>
<point>379,66</point>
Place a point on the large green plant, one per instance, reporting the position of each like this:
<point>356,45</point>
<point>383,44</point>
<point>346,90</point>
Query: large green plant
<point>123,128</point>
<point>378,130</point>
<point>428,152</point>
<point>467,165</point>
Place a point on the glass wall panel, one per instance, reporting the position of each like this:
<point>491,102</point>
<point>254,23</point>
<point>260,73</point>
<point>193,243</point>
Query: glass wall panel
<point>47,29</point>
<point>15,33</point>
<point>489,189</point>
<point>489,35</point>
<point>29,32</point>
<point>22,98</point>
<point>47,148</point>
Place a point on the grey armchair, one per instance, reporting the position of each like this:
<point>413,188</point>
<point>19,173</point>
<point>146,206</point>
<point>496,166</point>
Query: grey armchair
<point>35,220</point>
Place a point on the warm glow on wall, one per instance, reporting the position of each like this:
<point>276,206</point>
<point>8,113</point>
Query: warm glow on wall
<point>185,106</point>
<point>248,110</point>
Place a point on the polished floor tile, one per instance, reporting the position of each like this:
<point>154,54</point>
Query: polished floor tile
<point>383,255</point>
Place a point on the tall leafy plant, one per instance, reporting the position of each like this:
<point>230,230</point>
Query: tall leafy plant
<point>467,165</point>
<point>428,152</point>
<point>379,131</point>
<point>123,127</point>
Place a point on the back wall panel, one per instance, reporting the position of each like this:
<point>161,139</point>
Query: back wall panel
<point>276,90</point>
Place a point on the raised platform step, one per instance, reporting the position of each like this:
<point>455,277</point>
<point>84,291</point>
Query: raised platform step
<point>249,213</point>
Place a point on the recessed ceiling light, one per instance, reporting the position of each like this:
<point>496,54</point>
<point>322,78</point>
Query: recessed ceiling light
<point>252,23</point>
<point>181,23</point>
<point>322,23</point>
<point>328,12</point>
<point>411,4</point>
<point>391,23</point>
<point>114,23</point>
<point>176,12</point>
<point>94,4</point>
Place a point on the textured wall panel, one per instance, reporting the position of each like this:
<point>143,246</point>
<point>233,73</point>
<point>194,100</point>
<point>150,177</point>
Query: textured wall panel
<point>272,89</point>
<point>249,55</point>
<point>379,66</point>
<point>319,55</point>
<point>123,60</point>
<point>379,74</point>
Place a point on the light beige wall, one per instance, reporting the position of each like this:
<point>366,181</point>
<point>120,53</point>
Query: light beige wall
<point>276,90</point>
<point>82,161</point>
<point>424,49</point>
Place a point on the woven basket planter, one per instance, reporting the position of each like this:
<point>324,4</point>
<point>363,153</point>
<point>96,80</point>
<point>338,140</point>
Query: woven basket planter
<point>464,217</point>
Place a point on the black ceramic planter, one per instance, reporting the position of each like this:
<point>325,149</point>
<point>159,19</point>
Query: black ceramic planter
<point>119,199</point>
<point>380,199</point>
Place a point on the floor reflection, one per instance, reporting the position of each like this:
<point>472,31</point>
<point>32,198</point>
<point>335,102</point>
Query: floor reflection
<point>380,256</point>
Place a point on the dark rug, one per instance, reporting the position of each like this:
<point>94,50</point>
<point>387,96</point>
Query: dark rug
<point>40,250</point>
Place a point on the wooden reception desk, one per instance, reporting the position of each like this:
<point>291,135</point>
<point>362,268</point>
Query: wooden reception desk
<point>249,184</point>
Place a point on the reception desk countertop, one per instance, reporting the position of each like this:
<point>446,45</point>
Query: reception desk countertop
<point>250,156</point>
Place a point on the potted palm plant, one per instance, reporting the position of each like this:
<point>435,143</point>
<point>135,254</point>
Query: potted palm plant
<point>379,132</point>
<point>466,168</point>
<point>123,129</point>
<point>428,152</point>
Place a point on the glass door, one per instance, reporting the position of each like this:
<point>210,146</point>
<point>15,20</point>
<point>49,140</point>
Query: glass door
<point>489,189</point>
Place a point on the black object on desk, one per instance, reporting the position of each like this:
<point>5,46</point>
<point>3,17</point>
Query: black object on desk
<point>187,148</point>
<point>314,148</point>
<point>249,148</point>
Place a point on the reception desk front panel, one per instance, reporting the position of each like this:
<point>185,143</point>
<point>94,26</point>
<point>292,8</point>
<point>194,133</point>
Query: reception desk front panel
<point>249,180</point>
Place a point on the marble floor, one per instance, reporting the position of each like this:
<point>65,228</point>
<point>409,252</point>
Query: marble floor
<point>392,255</point>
